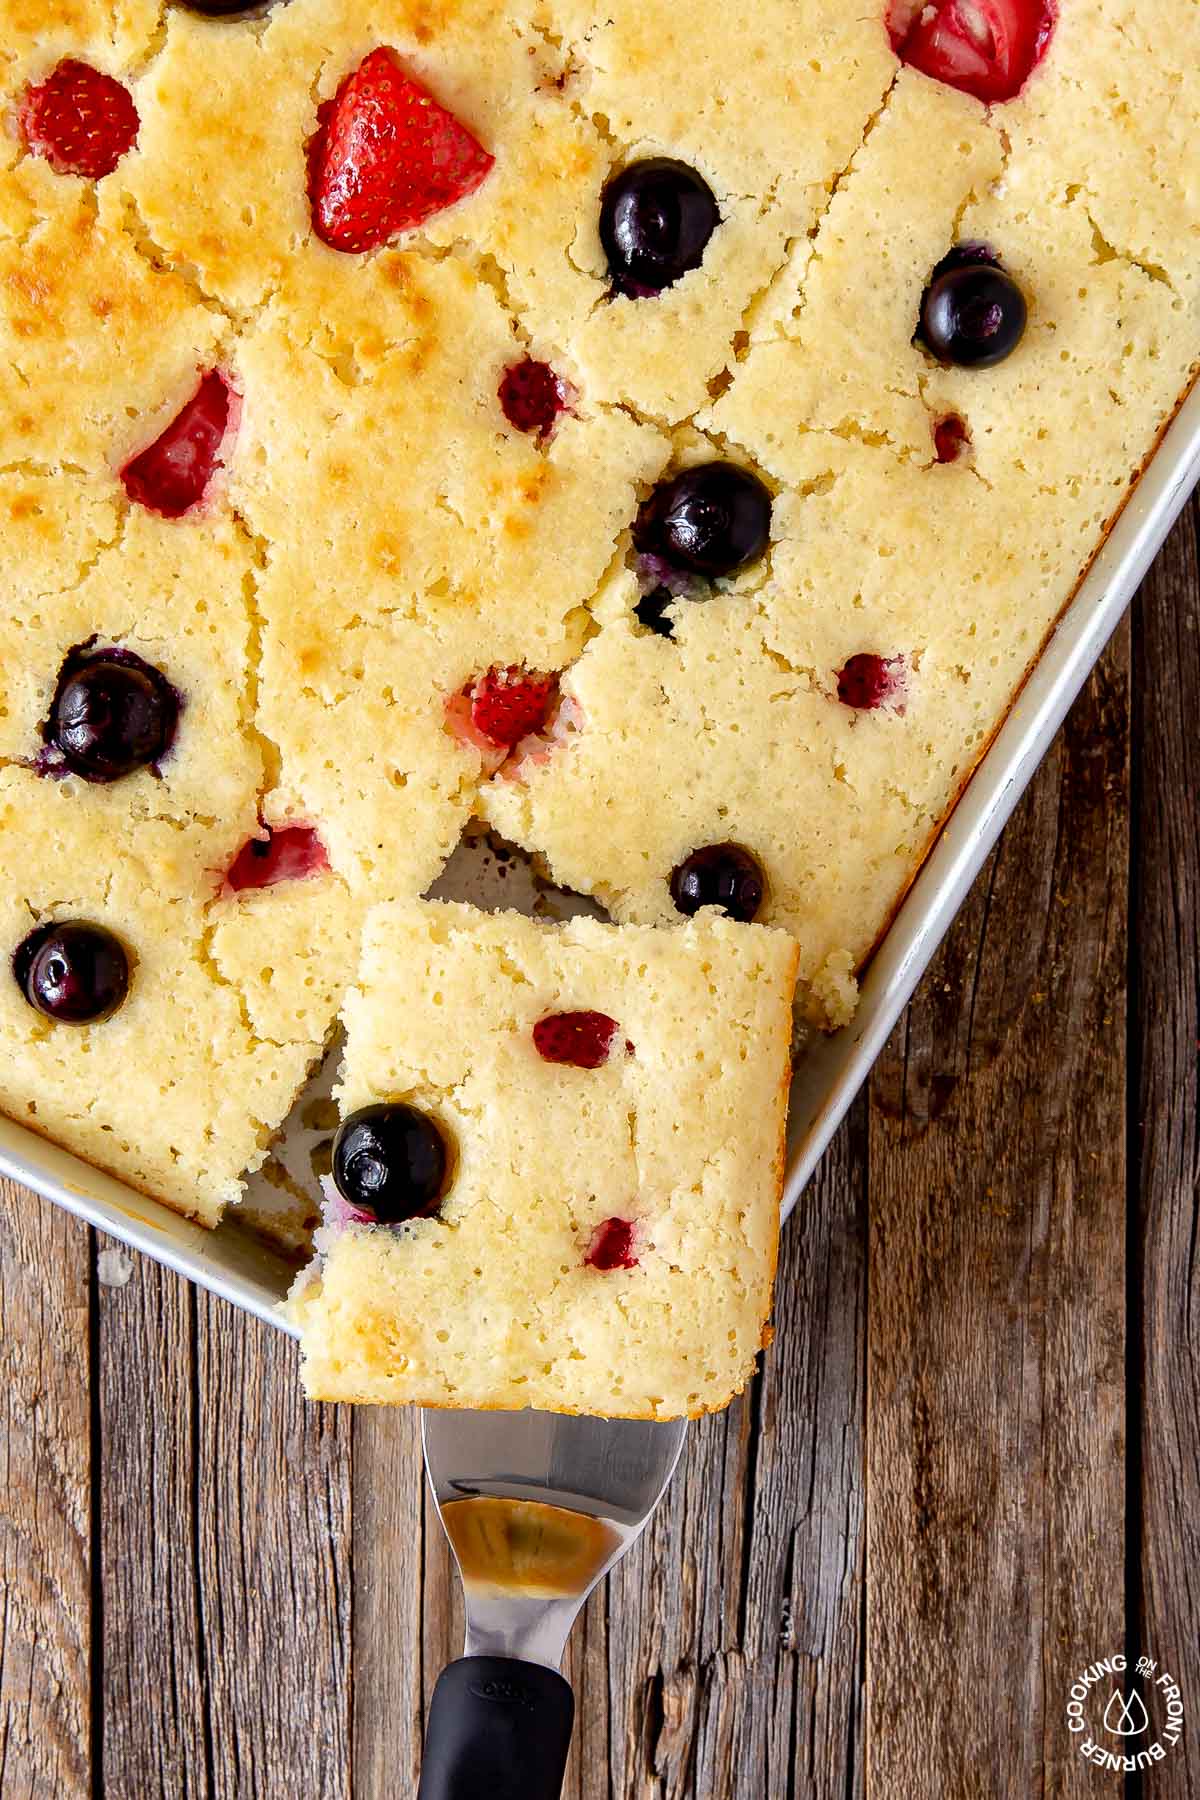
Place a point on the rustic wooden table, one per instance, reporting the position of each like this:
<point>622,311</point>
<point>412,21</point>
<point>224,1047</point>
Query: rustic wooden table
<point>969,1469</point>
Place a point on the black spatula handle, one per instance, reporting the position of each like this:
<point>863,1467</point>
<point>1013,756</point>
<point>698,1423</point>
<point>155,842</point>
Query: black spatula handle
<point>499,1729</point>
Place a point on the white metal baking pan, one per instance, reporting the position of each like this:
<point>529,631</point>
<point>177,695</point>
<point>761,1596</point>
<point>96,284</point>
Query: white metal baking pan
<point>246,1269</point>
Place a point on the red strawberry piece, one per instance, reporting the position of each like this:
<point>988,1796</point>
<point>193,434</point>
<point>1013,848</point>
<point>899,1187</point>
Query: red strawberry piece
<point>79,119</point>
<point>510,704</point>
<point>386,157</point>
<point>611,1246</point>
<point>531,396</point>
<point>987,48</point>
<point>950,438</point>
<point>170,475</point>
<point>869,681</point>
<point>582,1039</point>
<point>286,854</point>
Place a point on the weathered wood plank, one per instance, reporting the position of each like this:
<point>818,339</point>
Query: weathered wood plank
<point>45,1518</point>
<point>996,1320</point>
<point>273,1513</point>
<point>1167,1131</point>
<point>820,1476</point>
<point>586,1667</point>
<point>155,1721</point>
<point>225,1550</point>
<point>388,1575</point>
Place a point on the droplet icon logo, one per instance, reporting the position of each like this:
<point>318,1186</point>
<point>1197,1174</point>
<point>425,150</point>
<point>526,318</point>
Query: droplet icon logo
<point>1126,1717</point>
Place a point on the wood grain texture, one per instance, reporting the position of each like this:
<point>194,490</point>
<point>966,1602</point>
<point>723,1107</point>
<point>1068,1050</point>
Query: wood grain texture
<point>997,1295</point>
<point>156,1721</point>
<point>45,1502</point>
<point>388,1577</point>
<point>225,1554</point>
<point>273,1522</point>
<point>1166,1132</point>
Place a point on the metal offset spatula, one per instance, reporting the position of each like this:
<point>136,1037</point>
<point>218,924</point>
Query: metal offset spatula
<point>537,1507</point>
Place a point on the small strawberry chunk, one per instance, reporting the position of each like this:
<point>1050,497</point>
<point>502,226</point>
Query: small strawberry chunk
<point>531,397</point>
<point>510,704</point>
<point>170,475</point>
<point>950,438</point>
<point>287,853</point>
<point>611,1246</point>
<point>81,120</point>
<point>386,157</point>
<point>987,48</point>
<point>869,681</point>
<point>582,1039</point>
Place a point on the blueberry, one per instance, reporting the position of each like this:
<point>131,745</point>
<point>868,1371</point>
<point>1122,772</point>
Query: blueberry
<point>972,314</point>
<point>656,218</point>
<point>723,875</point>
<point>224,9</point>
<point>653,611</point>
<point>390,1161</point>
<point>710,520</point>
<point>112,713</point>
<point>965,256</point>
<point>74,973</point>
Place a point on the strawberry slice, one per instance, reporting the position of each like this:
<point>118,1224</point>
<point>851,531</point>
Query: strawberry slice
<point>987,48</point>
<point>869,681</point>
<point>287,853</point>
<point>950,438</point>
<point>170,475</point>
<point>386,157</point>
<point>510,704</point>
<point>79,119</point>
<point>581,1039</point>
<point>611,1246</point>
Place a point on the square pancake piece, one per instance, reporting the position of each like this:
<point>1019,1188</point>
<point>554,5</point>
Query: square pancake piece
<point>612,1104</point>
